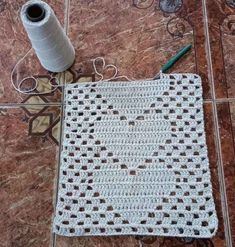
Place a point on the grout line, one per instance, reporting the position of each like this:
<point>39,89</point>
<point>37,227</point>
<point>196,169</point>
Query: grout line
<point>50,104</point>
<point>58,165</point>
<point>67,10</point>
<point>14,105</point>
<point>225,100</point>
<point>222,185</point>
<point>221,100</point>
<point>65,15</point>
<point>207,102</point>
<point>66,26</point>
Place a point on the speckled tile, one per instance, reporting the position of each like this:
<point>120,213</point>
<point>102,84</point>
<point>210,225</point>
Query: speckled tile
<point>139,36</point>
<point>28,163</point>
<point>97,241</point>
<point>14,44</point>
<point>219,239</point>
<point>221,19</point>
<point>227,130</point>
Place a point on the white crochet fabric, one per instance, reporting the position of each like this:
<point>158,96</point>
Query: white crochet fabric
<point>134,160</point>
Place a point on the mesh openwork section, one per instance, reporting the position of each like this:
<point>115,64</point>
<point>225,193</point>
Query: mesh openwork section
<point>134,160</point>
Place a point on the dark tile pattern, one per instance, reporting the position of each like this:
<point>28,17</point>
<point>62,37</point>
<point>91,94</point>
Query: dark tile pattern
<point>139,36</point>
<point>226,128</point>
<point>221,18</point>
<point>219,239</point>
<point>232,113</point>
<point>97,241</point>
<point>27,181</point>
<point>14,45</point>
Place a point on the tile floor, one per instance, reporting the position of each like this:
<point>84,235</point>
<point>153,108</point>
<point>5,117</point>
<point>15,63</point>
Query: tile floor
<point>138,36</point>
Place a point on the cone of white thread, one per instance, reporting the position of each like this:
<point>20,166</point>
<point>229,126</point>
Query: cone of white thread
<point>52,46</point>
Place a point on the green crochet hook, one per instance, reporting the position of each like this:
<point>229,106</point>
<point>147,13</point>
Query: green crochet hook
<point>174,59</point>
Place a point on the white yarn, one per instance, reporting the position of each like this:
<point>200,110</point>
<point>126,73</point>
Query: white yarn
<point>53,49</point>
<point>115,75</point>
<point>18,86</point>
<point>134,160</point>
<point>108,66</point>
<point>52,46</point>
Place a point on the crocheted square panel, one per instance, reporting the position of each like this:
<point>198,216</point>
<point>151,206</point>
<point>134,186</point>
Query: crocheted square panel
<point>134,160</point>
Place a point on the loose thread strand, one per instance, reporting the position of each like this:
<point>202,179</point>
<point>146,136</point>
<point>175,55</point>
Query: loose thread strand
<point>18,86</point>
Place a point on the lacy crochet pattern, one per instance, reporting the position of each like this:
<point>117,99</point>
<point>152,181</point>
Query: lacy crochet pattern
<point>134,160</point>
